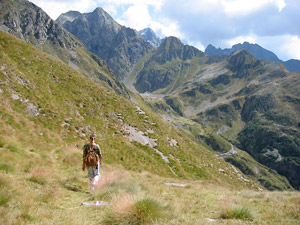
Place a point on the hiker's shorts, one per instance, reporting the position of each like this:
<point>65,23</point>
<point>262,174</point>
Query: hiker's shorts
<point>93,171</point>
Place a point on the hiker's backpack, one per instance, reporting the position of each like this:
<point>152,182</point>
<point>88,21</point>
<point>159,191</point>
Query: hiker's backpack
<point>91,158</point>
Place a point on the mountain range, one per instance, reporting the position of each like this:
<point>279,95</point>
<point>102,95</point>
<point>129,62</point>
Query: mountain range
<point>176,73</point>
<point>185,136</point>
<point>293,65</point>
<point>119,46</point>
<point>240,96</point>
<point>224,103</point>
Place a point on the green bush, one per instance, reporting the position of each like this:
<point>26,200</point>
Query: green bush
<point>237,213</point>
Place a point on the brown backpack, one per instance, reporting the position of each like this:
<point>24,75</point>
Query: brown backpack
<point>91,158</point>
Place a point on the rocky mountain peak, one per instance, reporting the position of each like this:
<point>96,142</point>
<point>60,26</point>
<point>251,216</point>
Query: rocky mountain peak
<point>172,41</point>
<point>30,23</point>
<point>101,18</point>
<point>101,12</point>
<point>172,48</point>
<point>241,61</point>
<point>69,16</point>
<point>119,46</point>
<point>149,35</point>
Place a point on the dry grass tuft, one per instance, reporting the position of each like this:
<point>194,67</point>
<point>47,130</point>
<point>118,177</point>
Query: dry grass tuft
<point>123,203</point>
<point>40,176</point>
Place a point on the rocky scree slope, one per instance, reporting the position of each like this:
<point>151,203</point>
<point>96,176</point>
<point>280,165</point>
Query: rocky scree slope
<point>30,23</point>
<point>119,46</point>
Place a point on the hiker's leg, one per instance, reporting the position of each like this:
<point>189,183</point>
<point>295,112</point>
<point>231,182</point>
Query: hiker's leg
<point>98,169</point>
<point>91,177</point>
<point>92,186</point>
<point>95,180</point>
<point>96,175</point>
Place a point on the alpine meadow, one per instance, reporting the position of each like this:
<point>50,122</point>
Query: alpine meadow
<point>187,137</point>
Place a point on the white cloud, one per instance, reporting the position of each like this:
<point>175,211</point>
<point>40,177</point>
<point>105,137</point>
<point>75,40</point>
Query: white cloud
<point>137,16</point>
<point>110,9</point>
<point>55,8</point>
<point>245,7</point>
<point>166,28</point>
<point>156,4</point>
<point>240,39</point>
<point>197,45</point>
<point>291,47</point>
<point>230,7</point>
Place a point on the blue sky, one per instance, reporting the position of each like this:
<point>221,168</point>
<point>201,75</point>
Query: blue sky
<point>273,24</point>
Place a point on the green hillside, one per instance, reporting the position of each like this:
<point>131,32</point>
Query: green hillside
<point>63,106</point>
<point>48,110</point>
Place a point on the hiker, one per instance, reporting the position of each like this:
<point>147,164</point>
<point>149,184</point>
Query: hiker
<point>92,157</point>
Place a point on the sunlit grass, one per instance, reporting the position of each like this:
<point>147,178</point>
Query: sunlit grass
<point>144,211</point>
<point>41,181</point>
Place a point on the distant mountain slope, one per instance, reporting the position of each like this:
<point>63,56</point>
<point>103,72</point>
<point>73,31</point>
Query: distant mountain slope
<point>30,23</point>
<point>119,46</point>
<point>149,35</point>
<point>254,49</point>
<point>292,65</point>
<point>217,92</point>
<point>166,67</point>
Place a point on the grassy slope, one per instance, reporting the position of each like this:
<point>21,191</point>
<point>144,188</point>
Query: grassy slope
<point>40,177</point>
<point>47,109</point>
